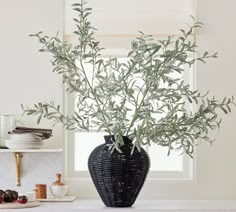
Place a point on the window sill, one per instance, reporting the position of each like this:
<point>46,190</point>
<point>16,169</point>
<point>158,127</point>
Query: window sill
<point>141,206</point>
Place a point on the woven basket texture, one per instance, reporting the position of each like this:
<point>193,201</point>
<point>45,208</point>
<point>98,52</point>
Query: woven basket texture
<point>118,177</point>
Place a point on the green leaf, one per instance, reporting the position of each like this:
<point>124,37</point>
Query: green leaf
<point>224,110</point>
<point>39,119</point>
<point>200,59</point>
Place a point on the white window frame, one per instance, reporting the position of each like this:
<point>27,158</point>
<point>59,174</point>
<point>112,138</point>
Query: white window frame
<point>186,175</point>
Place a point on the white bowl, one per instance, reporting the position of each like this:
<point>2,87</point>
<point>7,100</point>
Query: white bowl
<point>25,137</point>
<point>23,145</point>
<point>58,191</point>
<point>30,195</point>
<point>24,142</point>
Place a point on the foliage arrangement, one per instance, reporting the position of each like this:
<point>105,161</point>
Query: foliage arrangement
<point>144,98</point>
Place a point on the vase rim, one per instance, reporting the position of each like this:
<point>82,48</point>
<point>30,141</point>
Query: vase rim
<point>108,136</point>
<point>109,139</point>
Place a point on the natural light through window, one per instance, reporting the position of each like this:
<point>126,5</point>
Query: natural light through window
<point>85,142</point>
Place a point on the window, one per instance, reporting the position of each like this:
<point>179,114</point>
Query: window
<point>167,18</point>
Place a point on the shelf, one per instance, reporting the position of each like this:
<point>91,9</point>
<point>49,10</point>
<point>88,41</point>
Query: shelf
<point>30,150</point>
<point>18,154</point>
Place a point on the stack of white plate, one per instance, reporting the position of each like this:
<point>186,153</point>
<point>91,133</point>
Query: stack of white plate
<point>24,141</point>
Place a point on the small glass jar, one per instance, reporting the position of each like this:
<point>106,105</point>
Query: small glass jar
<point>7,124</point>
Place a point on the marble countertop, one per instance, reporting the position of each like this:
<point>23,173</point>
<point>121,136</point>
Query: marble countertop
<point>140,206</point>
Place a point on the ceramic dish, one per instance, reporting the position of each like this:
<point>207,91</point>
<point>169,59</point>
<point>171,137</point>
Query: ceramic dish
<point>58,190</point>
<point>25,145</point>
<point>58,199</point>
<point>24,142</point>
<point>25,137</point>
<point>30,195</point>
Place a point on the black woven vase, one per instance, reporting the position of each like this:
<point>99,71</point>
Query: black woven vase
<point>118,177</point>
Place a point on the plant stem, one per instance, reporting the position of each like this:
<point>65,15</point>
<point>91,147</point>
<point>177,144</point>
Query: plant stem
<point>92,91</point>
<point>136,110</point>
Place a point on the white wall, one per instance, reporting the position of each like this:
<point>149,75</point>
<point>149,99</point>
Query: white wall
<point>216,165</point>
<point>215,171</point>
<point>25,74</point>
<point>36,168</point>
<point>26,78</point>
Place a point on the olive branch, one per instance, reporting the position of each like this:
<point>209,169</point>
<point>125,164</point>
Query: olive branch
<point>141,98</point>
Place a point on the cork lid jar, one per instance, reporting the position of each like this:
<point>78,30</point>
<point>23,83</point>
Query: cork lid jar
<point>58,181</point>
<point>58,188</point>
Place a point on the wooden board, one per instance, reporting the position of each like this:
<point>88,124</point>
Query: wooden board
<point>58,199</point>
<point>15,205</point>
